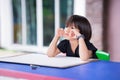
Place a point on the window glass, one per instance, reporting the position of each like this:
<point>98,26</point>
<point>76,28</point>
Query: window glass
<point>48,21</point>
<point>17,21</point>
<point>66,10</point>
<point>31,22</point>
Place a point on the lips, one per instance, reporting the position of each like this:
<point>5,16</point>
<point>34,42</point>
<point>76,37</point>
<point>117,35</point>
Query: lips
<point>71,34</point>
<point>66,34</point>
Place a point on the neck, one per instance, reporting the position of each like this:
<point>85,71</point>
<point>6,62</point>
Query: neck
<point>73,40</point>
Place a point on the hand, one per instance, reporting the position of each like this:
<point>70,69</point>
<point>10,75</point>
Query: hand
<point>71,33</point>
<point>60,32</point>
<point>76,32</point>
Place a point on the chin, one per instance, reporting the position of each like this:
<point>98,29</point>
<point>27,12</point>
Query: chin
<point>69,38</point>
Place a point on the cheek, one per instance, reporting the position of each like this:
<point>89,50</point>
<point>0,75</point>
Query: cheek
<point>72,34</point>
<point>67,30</point>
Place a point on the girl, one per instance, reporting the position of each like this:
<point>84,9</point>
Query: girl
<point>77,36</point>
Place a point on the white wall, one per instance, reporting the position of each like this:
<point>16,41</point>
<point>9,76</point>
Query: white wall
<point>6,22</point>
<point>80,7</point>
<point>0,22</point>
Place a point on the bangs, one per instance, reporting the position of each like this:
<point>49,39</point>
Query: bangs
<point>72,21</point>
<point>69,23</point>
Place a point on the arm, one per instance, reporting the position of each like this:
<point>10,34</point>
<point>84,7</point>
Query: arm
<point>52,49</point>
<point>84,53</point>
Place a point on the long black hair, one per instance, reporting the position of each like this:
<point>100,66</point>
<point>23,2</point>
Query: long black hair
<point>82,24</point>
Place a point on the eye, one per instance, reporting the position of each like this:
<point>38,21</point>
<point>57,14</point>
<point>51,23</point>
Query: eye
<point>72,27</point>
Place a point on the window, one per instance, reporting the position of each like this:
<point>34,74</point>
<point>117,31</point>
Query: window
<point>30,24</point>
<point>48,21</point>
<point>24,21</point>
<point>66,10</point>
<point>17,21</point>
<point>31,27</point>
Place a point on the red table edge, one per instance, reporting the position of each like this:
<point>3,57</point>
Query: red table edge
<point>28,76</point>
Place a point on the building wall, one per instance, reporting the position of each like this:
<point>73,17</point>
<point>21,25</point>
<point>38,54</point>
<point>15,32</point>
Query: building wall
<point>94,10</point>
<point>104,16</point>
<point>113,31</point>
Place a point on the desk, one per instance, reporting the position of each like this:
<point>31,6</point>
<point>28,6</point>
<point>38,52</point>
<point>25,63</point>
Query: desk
<point>98,70</point>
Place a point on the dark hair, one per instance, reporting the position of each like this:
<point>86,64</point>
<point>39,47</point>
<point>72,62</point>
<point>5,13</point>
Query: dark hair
<point>82,24</point>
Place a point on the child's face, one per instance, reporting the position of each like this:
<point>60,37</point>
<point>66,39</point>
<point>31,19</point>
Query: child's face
<point>70,33</point>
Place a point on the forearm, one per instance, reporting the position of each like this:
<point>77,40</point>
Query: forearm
<point>83,50</point>
<point>53,47</point>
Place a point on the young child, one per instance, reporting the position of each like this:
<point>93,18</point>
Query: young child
<point>77,36</point>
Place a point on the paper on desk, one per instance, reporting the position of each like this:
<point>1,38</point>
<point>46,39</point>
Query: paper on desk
<point>44,60</point>
<point>5,53</point>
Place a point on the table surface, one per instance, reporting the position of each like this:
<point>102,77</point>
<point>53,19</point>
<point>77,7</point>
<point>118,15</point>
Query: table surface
<point>98,70</point>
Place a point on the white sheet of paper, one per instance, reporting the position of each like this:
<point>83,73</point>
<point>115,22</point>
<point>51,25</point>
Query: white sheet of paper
<point>44,60</point>
<point>4,54</point>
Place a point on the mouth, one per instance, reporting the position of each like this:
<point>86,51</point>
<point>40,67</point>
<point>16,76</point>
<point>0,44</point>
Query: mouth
<point>66,34</point>
<point>72,35</point>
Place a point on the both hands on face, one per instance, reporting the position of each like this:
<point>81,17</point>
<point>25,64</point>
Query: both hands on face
<point>68,33</point>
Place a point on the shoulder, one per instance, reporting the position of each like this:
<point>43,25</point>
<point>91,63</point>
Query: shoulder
<point>63,43</point>
<point>62,46</point>
<point>90,45</point>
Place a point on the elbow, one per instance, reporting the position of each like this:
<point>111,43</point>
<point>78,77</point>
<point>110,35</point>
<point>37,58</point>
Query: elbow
<point>50,55</point>
<point>85,56</point>
<point>84,59</point>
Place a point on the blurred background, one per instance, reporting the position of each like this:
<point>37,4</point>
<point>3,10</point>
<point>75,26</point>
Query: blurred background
<point>29,25</point>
